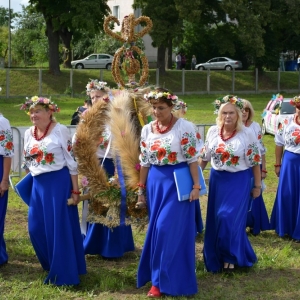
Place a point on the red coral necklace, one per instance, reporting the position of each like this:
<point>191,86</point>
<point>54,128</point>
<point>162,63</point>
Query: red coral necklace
<point>226,139</point>
<point>167,128</point>
<point>45,133</point>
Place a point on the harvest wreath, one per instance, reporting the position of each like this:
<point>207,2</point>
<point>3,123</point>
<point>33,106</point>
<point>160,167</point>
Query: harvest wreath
<point>125,116</point>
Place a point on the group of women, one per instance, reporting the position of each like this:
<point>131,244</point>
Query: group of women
<point>168,143</point>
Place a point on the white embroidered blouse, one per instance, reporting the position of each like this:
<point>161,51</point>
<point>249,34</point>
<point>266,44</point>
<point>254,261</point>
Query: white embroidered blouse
<point>51,153</point>
<point>181,144</point>
<point>257,131</point>
<point>288,136</point>
<point>6,138</point>
<point>236,154</point>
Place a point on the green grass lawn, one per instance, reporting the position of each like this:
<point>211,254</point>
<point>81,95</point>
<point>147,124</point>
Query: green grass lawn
<point>275,276</point>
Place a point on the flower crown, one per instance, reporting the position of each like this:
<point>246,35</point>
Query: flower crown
<point>35,100</point>
<point>295,100</point>
<point>157,95</point>
<point>95,84</point>
<point>180,105</point>
<point>228,98</point>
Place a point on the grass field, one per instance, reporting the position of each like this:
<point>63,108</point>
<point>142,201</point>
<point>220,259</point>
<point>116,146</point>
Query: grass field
<point>275,276</point>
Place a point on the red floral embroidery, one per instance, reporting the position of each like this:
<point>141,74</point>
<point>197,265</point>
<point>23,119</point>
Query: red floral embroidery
<point>69,148</point>
<point>154,147</point>
<point>198,135</point>
<point>219,150</point>
<point>249,152</point>
<point>259,137</point>
<point>172,156</point>
<point>161,152</point>
<point>40,155</point>
<point>184,141</point>
<point>49,158</point>
<point>234,160</point>
<point>2,137</point>
<point>256,158</point>
<point>144,144</point>
<point>192,151</point>
<point>225,156</point>
<point>9,145</point>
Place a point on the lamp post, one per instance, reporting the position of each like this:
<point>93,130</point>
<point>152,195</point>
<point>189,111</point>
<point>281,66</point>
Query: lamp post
<point>9,36</point>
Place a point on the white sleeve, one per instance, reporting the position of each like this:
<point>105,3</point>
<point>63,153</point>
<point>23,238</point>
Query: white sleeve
<point>65,139</point>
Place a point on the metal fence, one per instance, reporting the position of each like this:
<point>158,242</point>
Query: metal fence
<point>16,82</point>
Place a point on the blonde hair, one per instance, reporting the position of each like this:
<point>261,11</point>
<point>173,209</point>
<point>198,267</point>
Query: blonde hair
<point>247,104</point>
<point>239,122</point>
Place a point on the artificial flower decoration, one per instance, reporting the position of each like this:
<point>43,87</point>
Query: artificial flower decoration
<point>95,84</point>
<point>36,100</point>
<point>228,98</point>
<point>295,101</point>
<point>277,97</point>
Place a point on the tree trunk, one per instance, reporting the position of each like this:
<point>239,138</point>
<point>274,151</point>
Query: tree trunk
<point>53,41</point>
<point>161,54</point>
<point>170,51</point>
<point>66,37</point>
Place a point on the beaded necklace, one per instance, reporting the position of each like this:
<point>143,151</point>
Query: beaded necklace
<point>226,139</point>
<point>45,133</point>
<point>167,128</point>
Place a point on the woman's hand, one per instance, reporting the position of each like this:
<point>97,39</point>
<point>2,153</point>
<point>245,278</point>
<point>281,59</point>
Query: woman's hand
<point>256,192</point>
<point>277,171</point>
<point>141,203</point>
<point>3,186</point>
<point>263,175</point>
<point>75,198</point>
<point>194,195</point>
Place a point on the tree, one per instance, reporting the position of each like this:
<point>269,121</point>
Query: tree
<point>29,40</point>
<point>64,18</point>
<point>166,25</point>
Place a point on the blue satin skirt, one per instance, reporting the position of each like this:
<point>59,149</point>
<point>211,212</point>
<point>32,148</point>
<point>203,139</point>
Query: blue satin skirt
<point>3,208</point>
<point>285,218</point>
<point>257,217</point>
<point>54,228</point>
<point>102,240</point>
<point>225,237</point>
<point>168,256</point>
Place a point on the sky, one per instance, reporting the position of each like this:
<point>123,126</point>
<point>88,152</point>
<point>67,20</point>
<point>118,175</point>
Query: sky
<point>14,4</point>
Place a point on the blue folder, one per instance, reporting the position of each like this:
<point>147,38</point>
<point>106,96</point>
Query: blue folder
<point>184,183</point>
<point>24,188</point>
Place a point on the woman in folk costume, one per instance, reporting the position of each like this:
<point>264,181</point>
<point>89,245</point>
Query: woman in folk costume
<point>6,154</point>
<point>257,217</point>
<point>285,215</point>
<point>98,238</point>
<point>53,225</point>
<point>167,144</point>
<point>232,150</point>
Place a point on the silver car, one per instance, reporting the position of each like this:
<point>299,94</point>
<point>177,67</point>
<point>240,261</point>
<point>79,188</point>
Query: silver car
<point>94,61</point>
<point>220,63</point>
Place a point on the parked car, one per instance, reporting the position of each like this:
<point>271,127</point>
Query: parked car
<point>94,61</point>
<point>275,112</point>
<point>220,63</point>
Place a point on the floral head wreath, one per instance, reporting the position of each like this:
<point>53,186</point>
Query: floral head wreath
<point>95,84</point>
<point>228,99</point>
<point>180,105</point>
<point>295,101</point>
<point>167,95</point>
<point>35,100</point>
